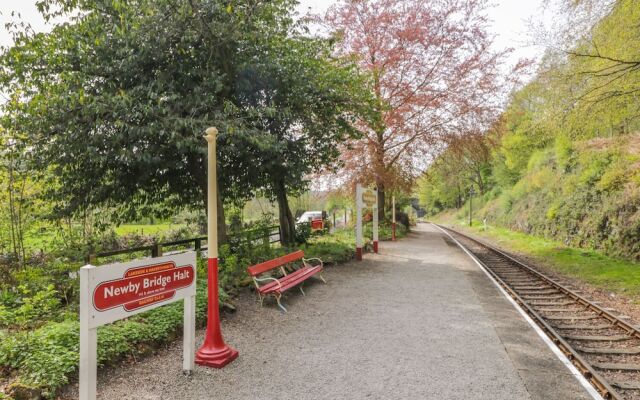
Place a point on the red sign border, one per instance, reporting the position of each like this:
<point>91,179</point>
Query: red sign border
<point>93,295</point>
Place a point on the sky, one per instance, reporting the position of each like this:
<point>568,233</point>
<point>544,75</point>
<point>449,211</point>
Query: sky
<point>509,21</point>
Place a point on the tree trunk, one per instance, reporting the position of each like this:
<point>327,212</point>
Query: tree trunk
<point>12,213</point>
<point>480,181</point>
<point>287,223</point>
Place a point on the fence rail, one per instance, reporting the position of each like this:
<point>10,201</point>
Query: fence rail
<point>270,234</point>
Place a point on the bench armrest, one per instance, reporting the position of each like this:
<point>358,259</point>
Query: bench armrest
<point>267,279</point>
<point>306,264</point>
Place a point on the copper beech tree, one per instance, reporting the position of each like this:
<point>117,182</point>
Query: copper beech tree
<point>432,72</point>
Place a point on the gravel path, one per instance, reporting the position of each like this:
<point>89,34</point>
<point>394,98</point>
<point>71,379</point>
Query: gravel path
<point>405,324</point>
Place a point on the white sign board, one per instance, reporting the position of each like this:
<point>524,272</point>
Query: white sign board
<point>112,292</point>
<point>369,198</point>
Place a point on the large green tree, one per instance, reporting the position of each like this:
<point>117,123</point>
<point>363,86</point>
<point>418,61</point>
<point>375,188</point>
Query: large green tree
<point>117,99</point>
<point>302,104</point>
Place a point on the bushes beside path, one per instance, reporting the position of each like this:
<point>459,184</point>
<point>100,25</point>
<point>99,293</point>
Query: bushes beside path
<point>38,361</point>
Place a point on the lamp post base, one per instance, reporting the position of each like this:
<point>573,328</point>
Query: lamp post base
<point>375,247</point>
<point>359,253</point>
<point>393,231</point>
<point>215,357</point>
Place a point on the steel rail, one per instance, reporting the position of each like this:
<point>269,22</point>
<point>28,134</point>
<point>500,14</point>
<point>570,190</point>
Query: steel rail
<point>585,368</point>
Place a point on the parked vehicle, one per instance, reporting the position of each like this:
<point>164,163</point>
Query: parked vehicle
<point>314,218</point>
<point>308,216</point>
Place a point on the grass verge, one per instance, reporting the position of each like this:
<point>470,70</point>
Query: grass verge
<point>603,272</point>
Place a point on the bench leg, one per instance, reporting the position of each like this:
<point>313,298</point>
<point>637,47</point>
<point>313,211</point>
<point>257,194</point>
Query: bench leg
<point>322,278</point>
<point>260,299</point>
<point>302,291</point>
<point>278,296</point>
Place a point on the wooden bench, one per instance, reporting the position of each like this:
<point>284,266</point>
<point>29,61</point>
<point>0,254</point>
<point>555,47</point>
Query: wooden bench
<point>288,280</point>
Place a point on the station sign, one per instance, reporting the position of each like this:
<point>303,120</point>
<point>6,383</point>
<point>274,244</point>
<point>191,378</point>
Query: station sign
<point>143,286</point>
<point>366,198</point>
<point>116,291</point>
<point>369,197</point>
<point>123,289</point>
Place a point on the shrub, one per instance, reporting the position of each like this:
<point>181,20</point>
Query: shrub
<point>44,357</point>
<point>29,310</point>
<point>303,232</point>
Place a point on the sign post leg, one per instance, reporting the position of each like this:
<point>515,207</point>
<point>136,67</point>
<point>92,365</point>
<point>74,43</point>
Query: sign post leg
<point>358,222</point>
<point>214,352</point>
<point>189,334</point>
<point>393,219</point>
<point>375,225</point>
<point>88,374</point>
<point>88,363</point>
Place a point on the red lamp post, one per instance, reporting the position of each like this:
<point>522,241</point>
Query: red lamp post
<point>214,352</point>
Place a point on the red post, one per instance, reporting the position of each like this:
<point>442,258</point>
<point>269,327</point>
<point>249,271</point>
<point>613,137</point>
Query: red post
<point>393,231</point>
<point>358,253</point>
<point>214,352</point>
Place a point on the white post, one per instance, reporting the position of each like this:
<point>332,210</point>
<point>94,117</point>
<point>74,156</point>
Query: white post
<point>212,199</point>
<point>375,225</point>
<point>359,222</point>
<point>393,218</point>
<point>88,340</point>
<point>393,208</point>
<point>189,334</point>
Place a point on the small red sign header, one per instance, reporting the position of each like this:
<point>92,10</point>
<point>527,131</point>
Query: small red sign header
<point>143,286</point>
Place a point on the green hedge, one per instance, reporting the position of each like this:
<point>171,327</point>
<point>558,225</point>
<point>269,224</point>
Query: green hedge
<point>44,356</point>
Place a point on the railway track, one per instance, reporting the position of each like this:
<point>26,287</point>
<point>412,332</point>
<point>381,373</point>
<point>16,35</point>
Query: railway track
<point>602,346</point>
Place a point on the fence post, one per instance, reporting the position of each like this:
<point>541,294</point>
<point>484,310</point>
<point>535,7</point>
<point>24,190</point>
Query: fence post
<point>198,247</point>
<point>156,250</point>
<point>91,257</point>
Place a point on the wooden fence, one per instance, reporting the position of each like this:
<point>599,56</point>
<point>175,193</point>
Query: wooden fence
<point>270,234</point>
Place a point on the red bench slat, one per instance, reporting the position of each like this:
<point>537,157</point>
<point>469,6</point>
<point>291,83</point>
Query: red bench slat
<point>258,269</point>
<point>309,272</point>
<point>272,286</point>
<point>289,281</point>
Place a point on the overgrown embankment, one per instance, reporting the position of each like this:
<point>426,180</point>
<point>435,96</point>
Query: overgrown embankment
<point>563,160</point>
<point>585,194</point>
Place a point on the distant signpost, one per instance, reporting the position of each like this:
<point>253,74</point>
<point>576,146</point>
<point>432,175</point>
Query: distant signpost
<point>112,292</point>
<point>366,198</point>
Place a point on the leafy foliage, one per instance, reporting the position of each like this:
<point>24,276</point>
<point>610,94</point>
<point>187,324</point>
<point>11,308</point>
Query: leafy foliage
<point>563,160</point>
<point>45,357</point>
<point>118,100</point>
<point>432,75</point>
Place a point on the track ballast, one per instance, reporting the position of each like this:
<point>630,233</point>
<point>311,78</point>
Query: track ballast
<point>602,346</point>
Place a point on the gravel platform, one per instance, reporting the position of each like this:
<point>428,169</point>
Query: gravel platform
<point>418,321</point>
